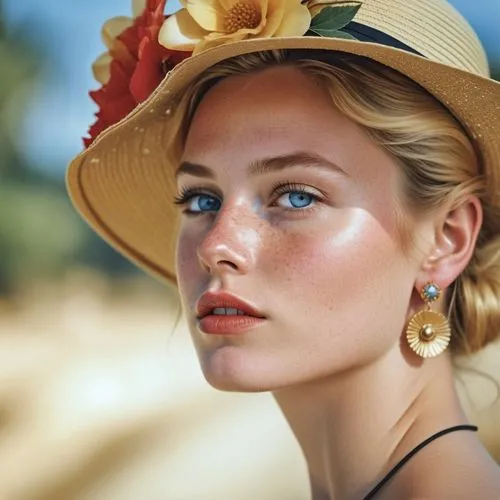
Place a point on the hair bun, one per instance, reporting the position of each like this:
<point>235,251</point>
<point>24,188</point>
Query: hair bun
<point>476,314</point>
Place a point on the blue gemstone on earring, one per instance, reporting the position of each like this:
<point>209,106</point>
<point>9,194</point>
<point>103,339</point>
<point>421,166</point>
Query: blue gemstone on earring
<point>431,291</point>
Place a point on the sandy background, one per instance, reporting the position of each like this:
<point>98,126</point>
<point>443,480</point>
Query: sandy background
<point>100,402</point>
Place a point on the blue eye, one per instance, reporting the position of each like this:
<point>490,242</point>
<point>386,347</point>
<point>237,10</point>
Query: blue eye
<point>295,197</point>
<point>298,199</point>
<point>197,202</point>
<point>203,203</point>
<point>291,196</point>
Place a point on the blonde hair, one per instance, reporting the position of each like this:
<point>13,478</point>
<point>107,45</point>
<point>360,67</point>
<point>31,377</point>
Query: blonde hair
<point>439,165</point>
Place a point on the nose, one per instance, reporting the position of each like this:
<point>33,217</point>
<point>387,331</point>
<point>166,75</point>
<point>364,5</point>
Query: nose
<point>231,244</point>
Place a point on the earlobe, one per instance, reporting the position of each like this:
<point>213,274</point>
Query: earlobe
<point>455,239</point>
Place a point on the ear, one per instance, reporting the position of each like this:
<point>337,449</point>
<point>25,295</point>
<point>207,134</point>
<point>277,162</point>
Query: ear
<point>455,236</point>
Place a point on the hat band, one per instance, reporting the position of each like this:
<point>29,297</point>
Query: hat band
<point>365,33</point>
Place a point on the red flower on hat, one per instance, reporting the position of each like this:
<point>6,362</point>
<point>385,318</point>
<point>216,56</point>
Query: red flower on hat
<point>133,67</point>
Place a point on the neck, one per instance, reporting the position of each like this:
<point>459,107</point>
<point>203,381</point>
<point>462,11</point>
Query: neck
<point>355,426</point>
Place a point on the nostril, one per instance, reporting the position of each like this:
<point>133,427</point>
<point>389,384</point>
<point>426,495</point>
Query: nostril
<point>220,264</point>
<point>232,265</point>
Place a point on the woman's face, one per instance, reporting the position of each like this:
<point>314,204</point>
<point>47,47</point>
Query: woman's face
<point>293,211</point>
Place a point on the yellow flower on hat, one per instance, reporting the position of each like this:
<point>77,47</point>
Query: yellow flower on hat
<point>203,24</point>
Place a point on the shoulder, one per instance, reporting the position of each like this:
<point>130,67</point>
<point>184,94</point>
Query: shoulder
<point>463,470</point>
<point>465,484</point>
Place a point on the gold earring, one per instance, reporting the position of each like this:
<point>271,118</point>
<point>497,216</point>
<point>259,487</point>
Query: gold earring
<point>428,332</point>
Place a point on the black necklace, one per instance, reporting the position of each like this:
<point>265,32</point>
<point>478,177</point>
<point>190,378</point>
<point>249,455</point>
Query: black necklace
<point>415,450</point>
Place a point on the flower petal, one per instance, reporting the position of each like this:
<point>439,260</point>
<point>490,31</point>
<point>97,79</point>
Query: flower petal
<point>316,6</point>
<point>114,27</point>
<point>228,4</point>
<point>324,3</point>
<point>180,32</point>
<point>296,19</point>
<point>101,68</point>
<point>124,54</point>
<point>148,73</point>
<point>138,7</point>
<point>216,39</point>
<point>274,16</point>
<point>207,13</point>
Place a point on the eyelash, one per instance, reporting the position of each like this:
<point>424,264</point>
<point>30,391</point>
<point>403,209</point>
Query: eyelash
<point>186,194</point>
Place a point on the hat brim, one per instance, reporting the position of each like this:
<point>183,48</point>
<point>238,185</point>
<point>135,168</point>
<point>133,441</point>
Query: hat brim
<point>123,186</point>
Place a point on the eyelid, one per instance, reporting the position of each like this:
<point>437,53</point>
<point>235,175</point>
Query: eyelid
<point>281,188</point>
<point>186,193</point>
<point>202,188</point>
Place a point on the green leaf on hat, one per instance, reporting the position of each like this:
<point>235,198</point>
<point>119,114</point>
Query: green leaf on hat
<point>332,19</point>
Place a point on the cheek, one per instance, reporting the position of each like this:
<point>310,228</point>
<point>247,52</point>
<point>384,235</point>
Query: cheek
<point>348,285</point>
<point>187,264</point>
<point>349,257</point>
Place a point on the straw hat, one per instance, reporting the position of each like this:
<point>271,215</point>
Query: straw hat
<point>123,186</point>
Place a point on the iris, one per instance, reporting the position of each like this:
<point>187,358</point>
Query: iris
<point>204,203</point>
<point>300,200</point>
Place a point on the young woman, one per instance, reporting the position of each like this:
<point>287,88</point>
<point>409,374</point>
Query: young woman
<point>322,182</point>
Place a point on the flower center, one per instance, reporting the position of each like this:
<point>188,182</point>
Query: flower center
<point>243,15</point>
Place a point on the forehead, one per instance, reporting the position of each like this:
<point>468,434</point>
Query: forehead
<point>266,99</point>
<point>273,112</point>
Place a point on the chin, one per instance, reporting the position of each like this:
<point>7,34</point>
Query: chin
<point>230,369</point>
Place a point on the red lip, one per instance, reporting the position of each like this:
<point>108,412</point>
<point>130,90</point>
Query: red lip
<point>228,325</point>
<point>211,300</point>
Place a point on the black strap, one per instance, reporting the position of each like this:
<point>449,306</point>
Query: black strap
<point>365,33</point>
<point>405,459</point>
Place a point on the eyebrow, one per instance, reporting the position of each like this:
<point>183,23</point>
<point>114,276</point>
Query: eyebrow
<point>266,165</point>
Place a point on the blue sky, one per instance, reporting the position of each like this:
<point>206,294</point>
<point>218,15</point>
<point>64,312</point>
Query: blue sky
<point>70,33</point>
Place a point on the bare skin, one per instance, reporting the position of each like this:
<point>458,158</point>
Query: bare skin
<point>327,269</point>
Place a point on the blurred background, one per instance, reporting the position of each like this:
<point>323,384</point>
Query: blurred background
<point>98,400</point>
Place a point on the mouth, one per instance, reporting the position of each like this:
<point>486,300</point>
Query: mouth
<point>225,304</point>
<point>224,313</point>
